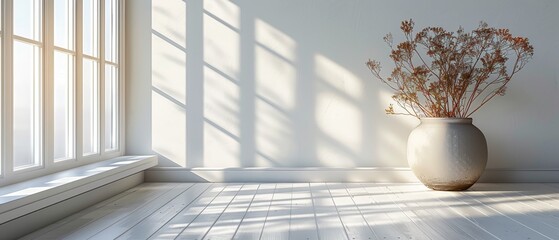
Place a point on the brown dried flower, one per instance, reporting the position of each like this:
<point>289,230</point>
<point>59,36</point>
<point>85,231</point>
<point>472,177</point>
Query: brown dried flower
<point>451,74</point>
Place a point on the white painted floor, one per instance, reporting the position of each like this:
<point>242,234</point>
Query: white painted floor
<point>316,211</point>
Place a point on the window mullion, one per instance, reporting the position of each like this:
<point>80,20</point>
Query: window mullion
<point>7,121</point>
<point>111,63</point>
<point>27,40</point>
<point>85,56</point>
<point>101,92</point>
<point>48,89</point>
<point>64,50</point>
<point>1,90</point>
<point>79,79</point>
<point>120,59</point>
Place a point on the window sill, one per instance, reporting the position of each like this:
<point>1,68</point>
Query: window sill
<point>26,197</point>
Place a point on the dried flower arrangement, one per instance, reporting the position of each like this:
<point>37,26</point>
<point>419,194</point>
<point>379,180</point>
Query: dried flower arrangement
<point>451,74</point>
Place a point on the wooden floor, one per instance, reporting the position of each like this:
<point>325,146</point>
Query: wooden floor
<point>316,211</point>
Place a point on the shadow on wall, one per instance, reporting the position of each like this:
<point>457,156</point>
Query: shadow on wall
<point>242,84</point>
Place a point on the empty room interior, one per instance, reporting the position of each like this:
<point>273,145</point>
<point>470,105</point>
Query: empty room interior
<point>271,119</point>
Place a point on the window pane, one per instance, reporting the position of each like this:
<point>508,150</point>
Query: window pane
<point>64,24</point>
<point>111,30</point>
<point>27,18</point>
<point>26,102</point>
<point>111,107</point>
<point>90,27</point>
<point>90,107</point>
<point>63,106</point>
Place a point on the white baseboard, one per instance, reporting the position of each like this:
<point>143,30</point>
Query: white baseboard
<point>520,176</point>
<point>380,175</point>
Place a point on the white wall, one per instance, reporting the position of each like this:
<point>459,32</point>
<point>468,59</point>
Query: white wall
<point>284,83</point>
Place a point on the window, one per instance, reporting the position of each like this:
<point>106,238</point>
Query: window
<point>61,85</point>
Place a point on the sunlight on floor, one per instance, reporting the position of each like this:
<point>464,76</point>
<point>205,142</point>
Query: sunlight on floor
<point>323,210</point>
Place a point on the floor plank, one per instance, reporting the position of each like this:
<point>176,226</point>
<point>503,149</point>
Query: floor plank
<point>316,211</point>
<point>44,232</point>
<point>491,220</point>
<point>174,227</point>
<point>227,224</point>
<point>516,211</point>
<point>546,213</point>
<point>451,214</point>
<point>198,228</point>
<point>276,225</point>
<point>91,221</point>
<point>419,216</point>
<point>252,223</point>
<point>378,214</point>
<point>122,225</point>
<point>354,223</point>
<point>327,218</point>
<point>545,193</point>
<point>149,225</point>
<point>302,222</point>
<point>422,203</point>
<point>400,219</point>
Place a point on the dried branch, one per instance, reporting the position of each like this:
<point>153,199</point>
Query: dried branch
<point>451,74</point>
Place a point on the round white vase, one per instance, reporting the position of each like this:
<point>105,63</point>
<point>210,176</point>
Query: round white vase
<point>447,154</point>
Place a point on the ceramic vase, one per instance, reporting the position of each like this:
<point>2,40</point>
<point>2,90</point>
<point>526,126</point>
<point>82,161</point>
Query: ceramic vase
<point>447,154</point>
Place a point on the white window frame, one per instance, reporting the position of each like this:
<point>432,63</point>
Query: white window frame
<point>7,173</point>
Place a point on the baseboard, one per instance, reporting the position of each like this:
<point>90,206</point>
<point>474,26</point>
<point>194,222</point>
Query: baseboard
<point>380,175</point>
<point>520,176</point>
<point>38,219</point>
